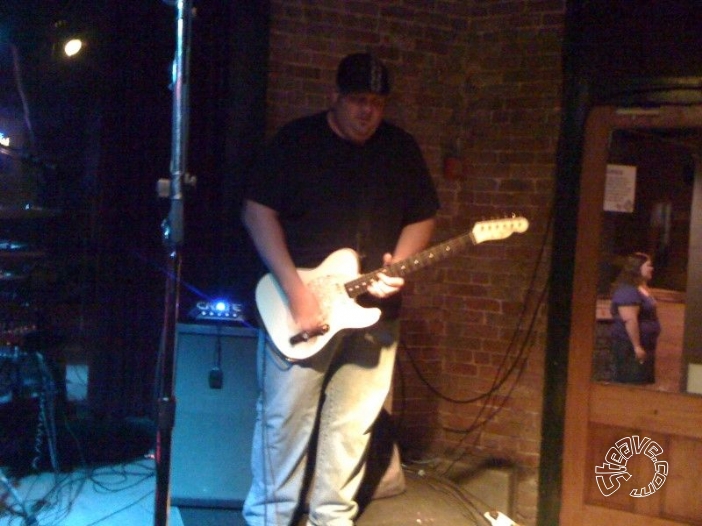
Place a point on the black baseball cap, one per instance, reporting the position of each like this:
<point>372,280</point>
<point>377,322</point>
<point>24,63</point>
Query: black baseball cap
<point>362,73</point>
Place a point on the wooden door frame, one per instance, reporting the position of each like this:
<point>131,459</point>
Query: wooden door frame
<point>587,402</point>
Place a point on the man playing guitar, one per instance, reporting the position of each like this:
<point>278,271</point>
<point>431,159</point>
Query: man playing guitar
<point>343,178</point>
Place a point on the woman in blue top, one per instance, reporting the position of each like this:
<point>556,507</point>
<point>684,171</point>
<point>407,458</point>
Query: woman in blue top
<point>636,327</point>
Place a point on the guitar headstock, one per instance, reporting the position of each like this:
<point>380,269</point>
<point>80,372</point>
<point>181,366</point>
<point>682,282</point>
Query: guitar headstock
<point>495,229</point>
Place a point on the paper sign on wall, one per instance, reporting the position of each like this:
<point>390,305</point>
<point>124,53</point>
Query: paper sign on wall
<point>620,188</point>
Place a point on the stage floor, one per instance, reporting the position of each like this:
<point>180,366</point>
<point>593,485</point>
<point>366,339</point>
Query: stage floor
<point>124,495</point>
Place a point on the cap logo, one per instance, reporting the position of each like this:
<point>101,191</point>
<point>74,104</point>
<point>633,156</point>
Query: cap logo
<point>376,76</point>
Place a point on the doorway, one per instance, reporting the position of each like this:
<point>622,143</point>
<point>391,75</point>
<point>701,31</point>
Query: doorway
<point>632,453</point>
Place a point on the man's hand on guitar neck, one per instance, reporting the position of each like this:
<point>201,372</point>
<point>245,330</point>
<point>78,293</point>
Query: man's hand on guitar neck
<point>386,285</point>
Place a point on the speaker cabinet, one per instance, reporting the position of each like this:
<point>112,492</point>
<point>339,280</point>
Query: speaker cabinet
<point>215,392</point>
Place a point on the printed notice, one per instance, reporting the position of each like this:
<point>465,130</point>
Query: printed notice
<point>620,188</point>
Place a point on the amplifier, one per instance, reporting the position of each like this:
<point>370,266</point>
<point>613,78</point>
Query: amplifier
<point>216,388</point>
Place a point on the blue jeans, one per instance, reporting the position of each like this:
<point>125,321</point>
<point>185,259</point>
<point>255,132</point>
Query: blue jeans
<point>342,390</point>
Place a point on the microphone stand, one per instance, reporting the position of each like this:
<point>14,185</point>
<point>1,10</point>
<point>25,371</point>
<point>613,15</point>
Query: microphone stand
<point>173,228</point>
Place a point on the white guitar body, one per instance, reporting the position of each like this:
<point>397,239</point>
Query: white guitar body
<point>340,311</point>
<point>336,283</point>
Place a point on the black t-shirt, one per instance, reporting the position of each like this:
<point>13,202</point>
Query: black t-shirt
<point>331,193</point>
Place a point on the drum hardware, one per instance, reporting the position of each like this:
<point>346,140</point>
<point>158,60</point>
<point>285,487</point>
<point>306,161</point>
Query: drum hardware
<point>22,374</point>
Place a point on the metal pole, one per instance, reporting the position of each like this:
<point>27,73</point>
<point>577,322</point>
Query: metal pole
<point>173,228</point>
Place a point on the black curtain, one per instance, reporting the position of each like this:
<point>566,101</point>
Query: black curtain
<point>227,94</point>
<point>134,143</point>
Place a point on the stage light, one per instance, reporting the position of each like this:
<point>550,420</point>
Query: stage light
<point>72,47</point>
<point>4,140</point>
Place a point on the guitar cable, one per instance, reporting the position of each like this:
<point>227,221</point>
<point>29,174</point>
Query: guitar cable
<point>504,371</point>
<point>216,375</point>
<point>28,519</point>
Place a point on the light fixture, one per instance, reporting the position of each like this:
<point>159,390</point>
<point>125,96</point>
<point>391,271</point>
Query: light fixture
<point>72,47</point>
<point>68,37</point>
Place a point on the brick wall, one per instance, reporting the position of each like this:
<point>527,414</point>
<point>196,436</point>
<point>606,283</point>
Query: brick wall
<point>478,81</point>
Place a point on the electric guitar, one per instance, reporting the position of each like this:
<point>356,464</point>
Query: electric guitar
<point>336,283</point>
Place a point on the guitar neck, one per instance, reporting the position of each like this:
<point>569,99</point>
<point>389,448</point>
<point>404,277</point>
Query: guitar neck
<point>408,265</point>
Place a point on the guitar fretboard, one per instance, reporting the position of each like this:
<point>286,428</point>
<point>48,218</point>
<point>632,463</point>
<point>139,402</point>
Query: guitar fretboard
<point>358,286</point>
<point>482,231</point>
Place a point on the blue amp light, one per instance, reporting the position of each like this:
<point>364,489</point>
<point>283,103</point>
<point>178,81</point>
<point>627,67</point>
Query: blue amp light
<point>218,310</point>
